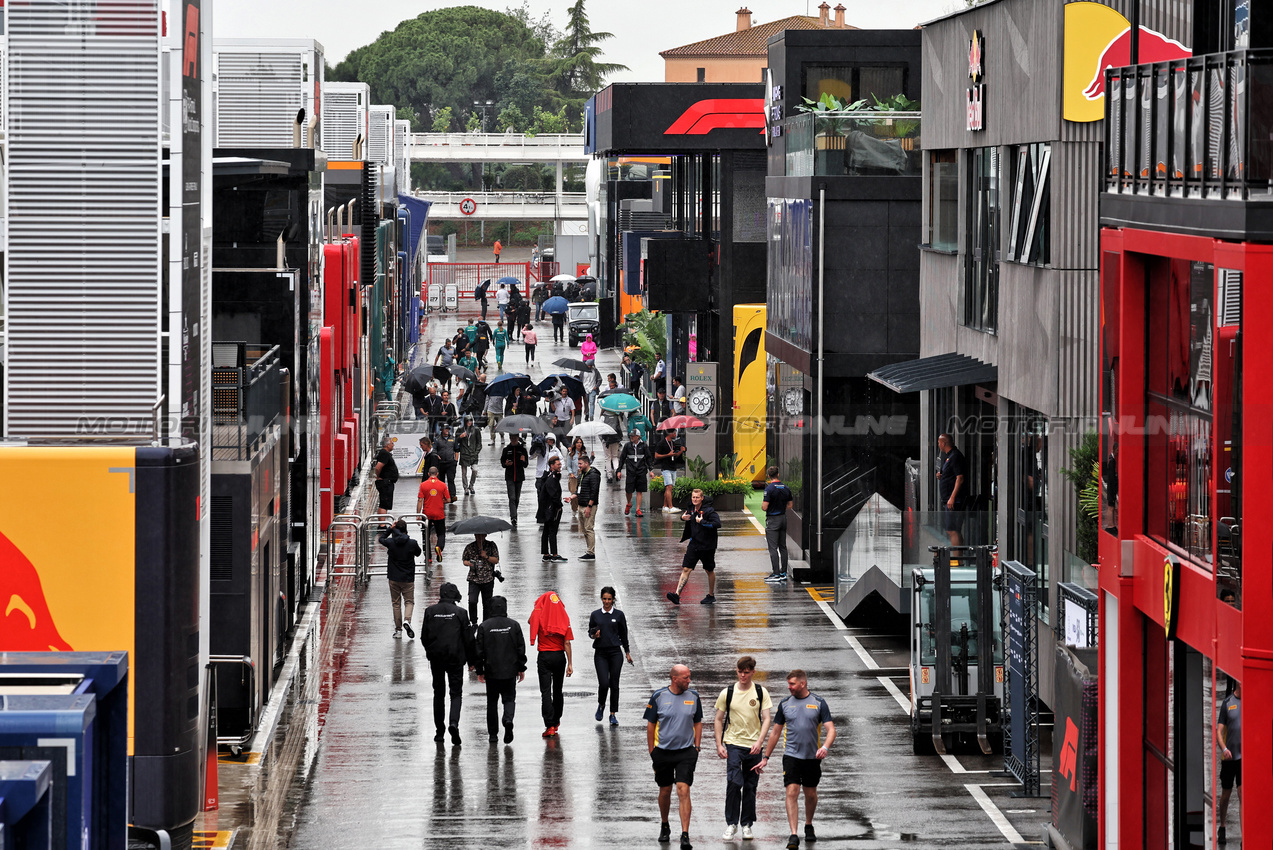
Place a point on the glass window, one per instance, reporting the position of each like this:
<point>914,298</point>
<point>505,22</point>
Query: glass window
<point>790,291</point>
<point>1029,239</point>
<point>981,265</point>
<point>1028,485</point>
<point>1181,451</point>
<point>943,200</point>
<point>852,82</point>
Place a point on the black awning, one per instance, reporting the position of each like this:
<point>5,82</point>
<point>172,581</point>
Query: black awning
<point>933,373</point>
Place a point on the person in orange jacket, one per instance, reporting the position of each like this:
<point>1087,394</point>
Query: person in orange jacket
<point>550,626</point>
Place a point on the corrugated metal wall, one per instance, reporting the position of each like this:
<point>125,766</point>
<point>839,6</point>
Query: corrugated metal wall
<point>258,96</point>
<point>83,262</point>
<point>381,144</point>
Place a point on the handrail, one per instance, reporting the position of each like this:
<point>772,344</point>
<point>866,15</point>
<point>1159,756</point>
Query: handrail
<point>250,679</point>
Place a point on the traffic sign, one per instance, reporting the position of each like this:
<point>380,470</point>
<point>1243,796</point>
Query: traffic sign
<point>468,206</point>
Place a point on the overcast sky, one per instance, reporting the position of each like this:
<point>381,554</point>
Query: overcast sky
<point>641,29</point>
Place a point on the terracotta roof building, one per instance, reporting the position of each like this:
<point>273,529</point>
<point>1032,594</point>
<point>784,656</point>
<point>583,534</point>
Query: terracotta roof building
<point>740,56</point>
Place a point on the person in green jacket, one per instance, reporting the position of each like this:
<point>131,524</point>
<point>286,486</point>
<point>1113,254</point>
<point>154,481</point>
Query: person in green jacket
<point>469,443</point>
<point>468,361</point>
<point>470,331</point>
<point>501,342</point>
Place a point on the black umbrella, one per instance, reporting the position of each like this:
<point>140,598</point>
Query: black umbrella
<point>442,373</point>
<point>506,383</point>
<point>480,525</point>
<point>464,373</point>
<point>572,363</point>
<point>554,382</point>
<point>417,380</point>
<point>521,422</point>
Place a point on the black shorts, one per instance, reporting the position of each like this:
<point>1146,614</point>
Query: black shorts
<point>673,766</point>
<point>635,482</point>
<point>694,554</point>
<point>952,520</point>
<point>385,489</point>
<point>803,772</point>
<point>1230,772</point>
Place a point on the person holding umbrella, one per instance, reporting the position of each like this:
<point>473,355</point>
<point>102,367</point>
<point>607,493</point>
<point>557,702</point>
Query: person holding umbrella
<point>482,558</point>
<point>559,326</point>
<point>481,295</point>
<point>501,301</point>
<point>501,342</point>
<point>668,452</point>
<point>514,459</point>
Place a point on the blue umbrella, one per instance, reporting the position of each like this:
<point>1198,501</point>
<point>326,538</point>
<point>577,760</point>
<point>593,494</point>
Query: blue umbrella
<point>552,382</point>
<point>506,383</point>
<point>511,281</point>
<point>556,304</point>
<point>618,403</point>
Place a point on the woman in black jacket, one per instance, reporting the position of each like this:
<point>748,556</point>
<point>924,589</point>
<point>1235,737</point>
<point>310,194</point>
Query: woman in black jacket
<point>608,629</point>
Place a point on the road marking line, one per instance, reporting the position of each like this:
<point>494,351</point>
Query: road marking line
<point>996,817</point>
<point>755,522</point>
<point>897,694</point>
<point>831,615</point>
<point>864,655</point>
<point>953,763</point>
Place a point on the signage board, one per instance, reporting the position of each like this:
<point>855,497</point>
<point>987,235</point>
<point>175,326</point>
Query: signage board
<point>976,81</point>
<point>1075,618</point>
<point>1016,648</point>
<point>670,118</point>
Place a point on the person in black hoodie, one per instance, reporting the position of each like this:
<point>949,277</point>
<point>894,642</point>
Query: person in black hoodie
<point>608,628</point>
<point>549,491</point>
<point>501,664</point>
<point>448,641</point>
<point>402,554</point>
<point>514,459</point>
<point>701,525</point>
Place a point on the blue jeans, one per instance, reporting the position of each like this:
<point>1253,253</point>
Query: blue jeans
<point>740,785</point>
<point>592,400</point>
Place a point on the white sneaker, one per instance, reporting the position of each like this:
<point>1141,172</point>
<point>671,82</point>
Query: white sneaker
<point>728,834</point>
<point>747,836</point>
<point>397,633</point>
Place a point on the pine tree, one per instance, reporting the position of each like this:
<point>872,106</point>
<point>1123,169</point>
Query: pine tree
<point>574,71</point>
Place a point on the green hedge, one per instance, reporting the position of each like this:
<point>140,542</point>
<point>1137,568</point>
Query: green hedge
<point>684,487</point>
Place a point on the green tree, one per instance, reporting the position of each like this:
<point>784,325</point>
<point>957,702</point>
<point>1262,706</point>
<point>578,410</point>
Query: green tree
<point>442,120</point>
<point>1085,477</point>
<point>511,118</point>
<point>574,69</point>
<point>473,124</point>
<point>446,58</point>
<point>542,121</point>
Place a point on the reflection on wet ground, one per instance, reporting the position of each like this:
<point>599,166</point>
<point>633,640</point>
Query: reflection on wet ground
<point>352,763</point>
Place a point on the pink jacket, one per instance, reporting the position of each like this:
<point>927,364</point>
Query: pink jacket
<point>589,348</point>
<point>529,337</point>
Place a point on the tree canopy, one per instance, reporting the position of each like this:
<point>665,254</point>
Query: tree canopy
<point>437,64</point>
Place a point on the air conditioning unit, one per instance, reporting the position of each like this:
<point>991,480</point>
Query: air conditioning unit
<point>402,154</point>
<point>380,141</point>
<point>346,121</point>
<point>260,87</point>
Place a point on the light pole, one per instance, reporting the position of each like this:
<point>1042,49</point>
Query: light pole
<point>486,107</point>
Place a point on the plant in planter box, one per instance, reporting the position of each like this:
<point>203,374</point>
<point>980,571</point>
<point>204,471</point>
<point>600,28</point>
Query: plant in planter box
<point>684,487</point>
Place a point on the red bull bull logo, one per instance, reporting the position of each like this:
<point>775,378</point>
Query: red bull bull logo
<point>27,624</point>
<point>1097,38</point>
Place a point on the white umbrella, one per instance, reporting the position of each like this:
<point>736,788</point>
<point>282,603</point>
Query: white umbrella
<point>594,428</point>
<point>563,278</point>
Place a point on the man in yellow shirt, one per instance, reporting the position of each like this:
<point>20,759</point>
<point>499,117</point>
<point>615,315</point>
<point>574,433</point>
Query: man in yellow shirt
<point>744,712</point>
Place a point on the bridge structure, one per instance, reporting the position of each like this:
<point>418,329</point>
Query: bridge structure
<point>509,149</point>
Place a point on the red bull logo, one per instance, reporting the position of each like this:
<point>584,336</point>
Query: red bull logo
<point>1097,38</point>
<point>27,624</point>
<point>1153,47</point>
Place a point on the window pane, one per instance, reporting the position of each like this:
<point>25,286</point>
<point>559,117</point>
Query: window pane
<point>943,198</point>
<point>981,270</point>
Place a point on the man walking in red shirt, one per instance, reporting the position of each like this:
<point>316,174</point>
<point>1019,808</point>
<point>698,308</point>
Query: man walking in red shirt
<point>432,501</point>
<point>550,626</point>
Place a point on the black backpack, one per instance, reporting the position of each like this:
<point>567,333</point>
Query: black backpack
<point>760,704</point>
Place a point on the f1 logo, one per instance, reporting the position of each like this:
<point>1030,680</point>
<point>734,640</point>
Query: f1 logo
<point>190,49</point>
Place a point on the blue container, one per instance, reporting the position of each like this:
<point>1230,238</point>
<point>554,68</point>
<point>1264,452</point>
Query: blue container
<point>57,729</point>
<point>105,676</point>
<point>26,811</point>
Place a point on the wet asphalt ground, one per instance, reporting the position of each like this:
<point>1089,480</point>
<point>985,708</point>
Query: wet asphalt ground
<point>347,758</point>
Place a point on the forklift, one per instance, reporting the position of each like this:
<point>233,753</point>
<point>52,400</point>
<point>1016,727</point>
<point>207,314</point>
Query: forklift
<point>956,691</point>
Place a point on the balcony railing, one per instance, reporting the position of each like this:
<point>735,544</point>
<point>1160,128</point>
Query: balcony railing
<point>247,400</point>
<point>1200,127</point>
<point>859,143</point>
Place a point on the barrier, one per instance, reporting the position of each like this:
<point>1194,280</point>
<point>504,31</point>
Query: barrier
<point>468,276</point>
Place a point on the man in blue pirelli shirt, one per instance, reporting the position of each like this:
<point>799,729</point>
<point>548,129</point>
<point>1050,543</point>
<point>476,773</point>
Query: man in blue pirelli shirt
<point>674,727</point>
<point>806,719</point>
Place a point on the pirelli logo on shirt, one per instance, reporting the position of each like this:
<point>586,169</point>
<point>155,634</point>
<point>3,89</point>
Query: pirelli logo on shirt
<point>689,702</point>
<point>810,705</point>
